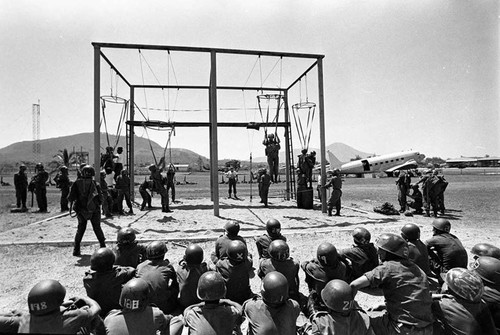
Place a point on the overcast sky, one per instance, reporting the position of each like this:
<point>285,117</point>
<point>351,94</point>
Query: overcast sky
<point>398,75</point>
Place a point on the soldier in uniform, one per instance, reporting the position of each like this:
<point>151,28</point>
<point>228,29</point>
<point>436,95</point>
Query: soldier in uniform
<point>107,200</point>
<point>146,197</point>
<point>319,271</point>
<point>158,187</point>
<point>232,179</point>
<point>362,256</point>
<point>118,161</point>
<point>416,199</point>
<point>104,282</point>
<point>171,181</point>
<point>160,276</point>
<point>231,230</point>
<point>86,198</point>
<point>405,288</point>
<point>264,180</point>
<point>417,250</point>
<point>336,184</point>
<point>342,315</point>
<point>21,186</point>
<point>273,147</point>
<point>403,184</point>
<point>460,309</point>
<point>128,252</point>
<point>273,228</point>
<point>485,249</point>
<point>214,315</point>
<point>272,313</point>
<point>50,314</point>
<point>123,187</point>
<point>38,185</point>
<point>189,271</point>
<point>63,183</point>
<point>445,250</point>
<point>237,271</point>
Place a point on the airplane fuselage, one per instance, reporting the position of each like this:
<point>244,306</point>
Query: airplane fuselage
<point>379,163</point>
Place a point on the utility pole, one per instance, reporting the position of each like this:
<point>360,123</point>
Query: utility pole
<point>36,131</point>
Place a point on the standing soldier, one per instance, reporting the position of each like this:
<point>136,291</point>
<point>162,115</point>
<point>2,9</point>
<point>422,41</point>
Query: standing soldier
<point>118,161</point>
<point>86,195</point>
<point>429,195</point>
<point>232,179</point>
<point>38,184</point>
<point>264,183</point>
<point>63,183</point>
<point>171,181</point>
<point>403,187</point>
<point>123,187</point>
<point>273,147</point>
<point>146,197</point>
<point>21,185</point>
<point>107,200</point>
<point>158,187</point>
<point>336,184</point>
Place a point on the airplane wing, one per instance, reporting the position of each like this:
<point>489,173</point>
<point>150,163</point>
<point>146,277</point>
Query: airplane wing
<point>411,164</point>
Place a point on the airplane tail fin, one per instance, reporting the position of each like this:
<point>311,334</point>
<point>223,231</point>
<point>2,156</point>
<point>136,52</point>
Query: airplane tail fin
<point>334,161</point>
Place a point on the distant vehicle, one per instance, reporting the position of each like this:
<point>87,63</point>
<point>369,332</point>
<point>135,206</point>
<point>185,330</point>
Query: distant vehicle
<point>388,163</point>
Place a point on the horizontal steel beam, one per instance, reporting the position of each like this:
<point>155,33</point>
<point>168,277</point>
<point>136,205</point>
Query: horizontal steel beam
<point>205,87</point>
<point>164,124</point>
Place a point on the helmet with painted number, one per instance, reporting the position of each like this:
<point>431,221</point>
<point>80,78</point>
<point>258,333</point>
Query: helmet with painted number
<point>393,244</point>
<point>102,260</point>
<point>279,250</point>
<point>135,295</point>
<point>125,236</point>
<point>410,232</point>
<point>337,295</point>
<point>211,286</point>
<point>46,297</point>
<point>232,228</point>
<point>273,227</point>
<point>465,283</point>
<point>274,289</point>
<point>442,225</point>
<point>488,268</point>
<point>361,235</point>
<point>88,171</point>
<point>237,251</point>
<point>193,254</point>
<point>327,254</point>
<point>156,250</point>
<point>485,249</point>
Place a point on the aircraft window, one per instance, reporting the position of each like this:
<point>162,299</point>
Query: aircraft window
<point>371,164</point>
<point>392,160</point>
<point>387,161</point>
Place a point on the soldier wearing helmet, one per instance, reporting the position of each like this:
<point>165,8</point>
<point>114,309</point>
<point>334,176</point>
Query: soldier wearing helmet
<point>137,315</point>
<point>104,281</point>
<point>146,197</point>
<point>231,230</point>
<point>159,273</point>
<point>237,271</point>
<point>273,228</point>
<point>488,269</point>
<point>158,187</point>
<point>128,252</point>
<point>405,288</point>
<point>272,312</point>
<point>107,199</point>
<point>342,315</point>
<point>416,199</point>
<point>170,181</point>
<point>326,266</point>
<point>188,272</point>
<point>123,187</point>
<point>460,310</point>
<point>85,197</point>
<point>214,315</point>
<point>63,183</point>
<point>403,184</point>
<point>335,197</point>
<point>362,256</point>
<point>273,147</point>
<point>50,314</point>
<point>445,249</point>
<point>282,262</point>
<point>264,181</point>
<point>39,185</point>
<point>485,249</point>
<point>417,250</point>
<point>21,186</point>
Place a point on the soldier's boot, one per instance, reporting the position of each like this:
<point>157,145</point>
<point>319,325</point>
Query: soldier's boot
<point>329,212</point>
<point>76,250</point>
<point>130,211</point>
<point>142,206</point>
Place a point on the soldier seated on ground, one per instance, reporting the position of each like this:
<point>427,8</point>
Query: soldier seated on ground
<point>485,249</point>
<point>189,271</point>
<point>128,252</point>
<point>231,230</point>
<point>362,256</point>
<point>417,250</point>
<point>273,228</point>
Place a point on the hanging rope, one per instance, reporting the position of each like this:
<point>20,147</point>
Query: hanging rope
<point>304,123</point>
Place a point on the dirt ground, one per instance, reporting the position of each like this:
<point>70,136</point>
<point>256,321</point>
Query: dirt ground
<point>42,249</point>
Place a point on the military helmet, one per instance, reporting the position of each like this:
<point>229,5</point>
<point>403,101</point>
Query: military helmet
<point>134,295</point>
<point>152,167</point>
<point>465,283</point>
<point>271,135</point>
<point>39,166</point>
<point>327,254</point>
<point>156,250</point>
<point>102,260</point>
<point>273,227</point>
<point>22,167</point>
<point>337,295</point>
<point>125,236</point>
<point>410,231</point>
<point>393,244</point>
<point>361,235</point>
<point>279,250</point>
<point>274,288</point>
<point>193,254</point>
<point>63,167</point>
<point>485,249</point>
<point>46,297</point>
<point>232,228</point>
<point>488,268</point>
<point>211,286</point>
<point>442,225</point>
<point>336,172</point>
<point>88,171</point>
<point>237,251</point>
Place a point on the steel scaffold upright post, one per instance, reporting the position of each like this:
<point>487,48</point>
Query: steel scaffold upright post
<point>97,108</point>
<point>36,132</point>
